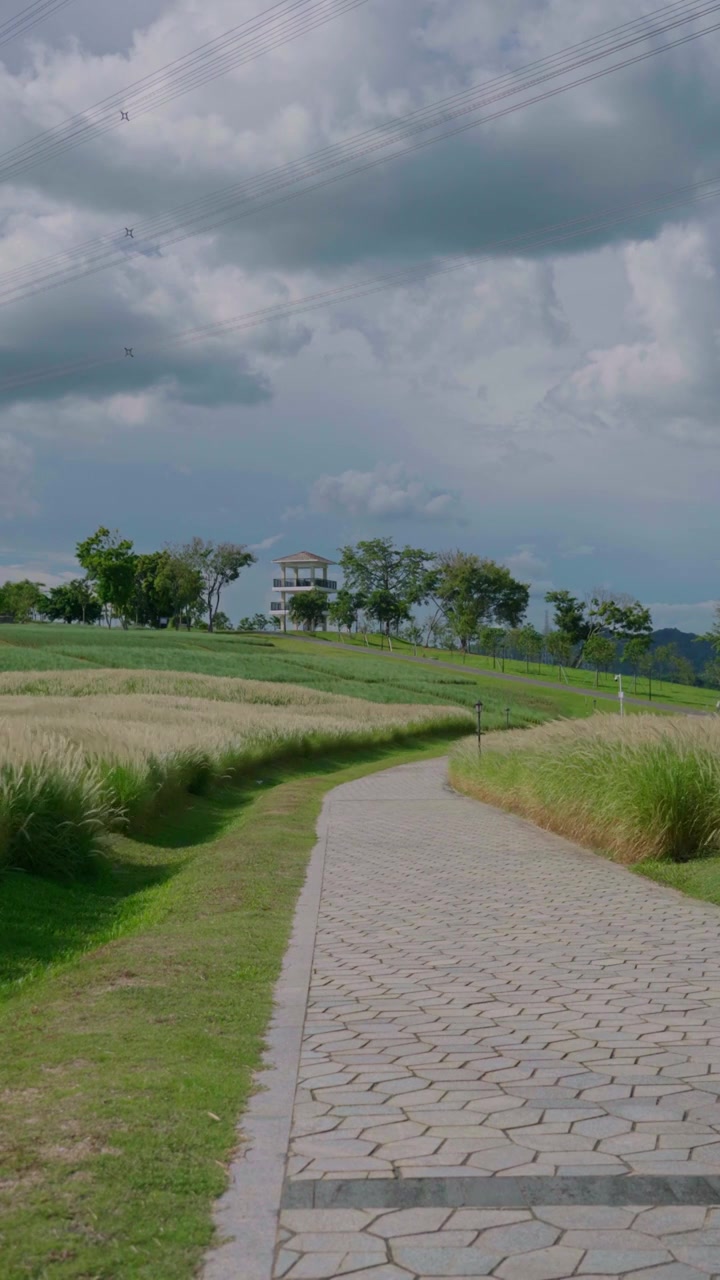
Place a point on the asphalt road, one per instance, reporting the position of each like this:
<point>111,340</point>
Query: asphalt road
<point>599,694</point>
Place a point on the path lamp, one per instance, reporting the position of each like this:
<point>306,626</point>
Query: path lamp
<point>479,709</point>
<point>621,695</point>
<point>507,717</point>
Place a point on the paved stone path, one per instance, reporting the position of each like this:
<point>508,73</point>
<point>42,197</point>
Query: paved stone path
<point>510,1059</point>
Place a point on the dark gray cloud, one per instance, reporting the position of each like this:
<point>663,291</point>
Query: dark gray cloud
<point>539,393</point>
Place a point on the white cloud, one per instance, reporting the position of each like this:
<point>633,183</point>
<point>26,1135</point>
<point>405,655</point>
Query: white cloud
<point>266,543</point>
<point>385,492</point>
<point>524,563</point>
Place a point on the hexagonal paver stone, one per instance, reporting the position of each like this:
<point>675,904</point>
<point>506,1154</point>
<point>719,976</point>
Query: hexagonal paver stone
<point>542,1264</point>
<point>672,1218</point>
<point>522,1237</point>
<point>447,1262</point>
<point>408,1222</point>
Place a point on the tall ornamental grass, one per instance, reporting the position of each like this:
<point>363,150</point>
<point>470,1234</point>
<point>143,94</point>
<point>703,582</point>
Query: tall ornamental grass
<point>640,787</point>
<point>77,766</point>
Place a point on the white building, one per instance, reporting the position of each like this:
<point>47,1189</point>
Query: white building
<point>302,572</point>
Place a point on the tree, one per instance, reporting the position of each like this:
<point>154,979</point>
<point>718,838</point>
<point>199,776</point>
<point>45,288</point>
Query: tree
<point>258,622</point>
<point>559,647</point>
<point>619,616</point>
<point>388,610</point>
<point>713,635</point>
<point>73,602</point>
<point>647,666</point>
<point>308,608</point>
<point>110,564</point>
<point>634,653</point>
<point>471,592</point>
<point>492,641</point>
<point>531,643</point>
<point>181,585</point>
<point>570,620</point>
<point>221,621</point>
<point>711,675</point>
<point>343,610</point>
<point>218,564</point>
<point>391,579</point>
<point>413,633</point>
<point>667,657</point>
<point>23,600</point>
<point>599,651</point>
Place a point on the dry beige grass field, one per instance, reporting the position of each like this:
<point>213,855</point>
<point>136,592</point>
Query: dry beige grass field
<point>81,752</point>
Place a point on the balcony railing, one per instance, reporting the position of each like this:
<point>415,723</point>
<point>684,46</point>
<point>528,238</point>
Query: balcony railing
<point>277,607</point>
<point>324,583</point>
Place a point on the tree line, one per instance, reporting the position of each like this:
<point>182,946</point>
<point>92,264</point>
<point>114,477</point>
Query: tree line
<point>470,603</point>
<point>179,585</point>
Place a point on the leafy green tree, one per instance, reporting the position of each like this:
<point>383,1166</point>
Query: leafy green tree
<point>391,579</point>
<point>110,564</point>
<point>23,600</point>
<point>258,622</point>
<point>344,609</point>
<point>531,644</point>
<point>308,608</point>
<point>472,592</point>
<point>647,667</point>
<point>570,620</point>
<point>667,657</point>
<point>559,647</point>
<point>713,635</point>
<point>413,633</point>
<point>180,584</point>
<point>73,602</point>
<point>620,616</point>
<point>599,651</point>
<point>711,675</point>
<point>633,655</point>
<point>492,641</point>
<point>388,610</point>
<point>221,621</point>
<point>217,564</point>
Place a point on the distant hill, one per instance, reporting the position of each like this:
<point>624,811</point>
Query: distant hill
<point>699,653</point>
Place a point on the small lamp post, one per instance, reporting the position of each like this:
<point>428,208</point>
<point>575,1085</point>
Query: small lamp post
<point>479,709</point>
<point>507,717</point>
<point>621,695</point>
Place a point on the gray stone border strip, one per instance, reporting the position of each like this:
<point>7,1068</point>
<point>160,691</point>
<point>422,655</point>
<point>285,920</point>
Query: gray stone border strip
<point>503,1193</point>
<point>247,1215</point>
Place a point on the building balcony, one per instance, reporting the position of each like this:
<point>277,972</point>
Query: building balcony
<point>324,584</point>
<point>277,607</point>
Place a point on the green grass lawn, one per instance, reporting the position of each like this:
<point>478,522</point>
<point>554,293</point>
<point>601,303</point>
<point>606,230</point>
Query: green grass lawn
<point>680,695</point>
<point>131,1028</point>
<point>356,673</point>
<point>699,879</point>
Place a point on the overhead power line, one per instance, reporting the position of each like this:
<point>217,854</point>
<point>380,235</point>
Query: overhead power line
<point>546,237</point>
<point>283,22</point>
<point>28,18</point>
<point>359,153</point>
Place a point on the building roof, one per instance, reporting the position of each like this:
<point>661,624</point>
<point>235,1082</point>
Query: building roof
<point>303,557</point>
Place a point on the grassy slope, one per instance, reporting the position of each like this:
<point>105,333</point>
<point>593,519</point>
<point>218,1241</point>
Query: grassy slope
<point>125,1066</point>
<point>680,695</point>
<point>355,673</point>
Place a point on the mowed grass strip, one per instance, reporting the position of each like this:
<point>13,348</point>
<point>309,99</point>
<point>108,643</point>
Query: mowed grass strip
<point>573,677</point>
<point>124,1070</point>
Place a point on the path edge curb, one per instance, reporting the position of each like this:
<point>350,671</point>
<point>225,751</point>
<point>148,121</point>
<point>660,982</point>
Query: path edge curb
<point>246,1216</point>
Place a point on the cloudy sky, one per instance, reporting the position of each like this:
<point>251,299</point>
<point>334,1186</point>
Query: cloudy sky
<point>554,408</point>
